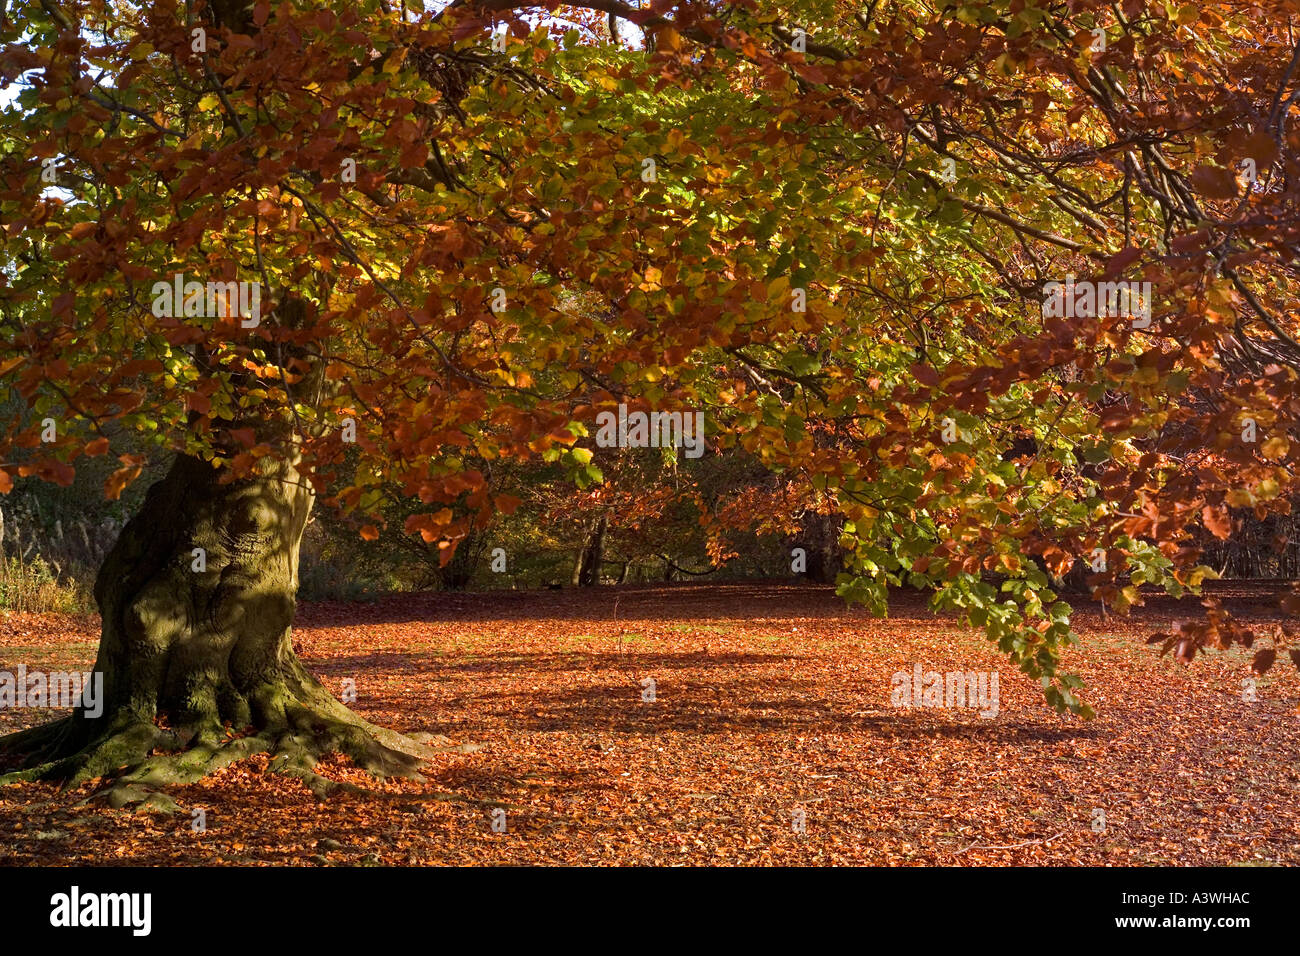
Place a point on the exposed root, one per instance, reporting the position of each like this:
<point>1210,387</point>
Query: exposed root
<point>60,755</point>
<point>134,758</point>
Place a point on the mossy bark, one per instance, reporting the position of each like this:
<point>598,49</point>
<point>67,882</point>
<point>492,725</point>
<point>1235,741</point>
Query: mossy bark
<point>197,598</point>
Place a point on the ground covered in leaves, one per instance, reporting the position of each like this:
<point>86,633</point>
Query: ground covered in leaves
<point>768,700</point>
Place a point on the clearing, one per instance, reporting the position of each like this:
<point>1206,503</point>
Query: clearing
<point>768,698</point>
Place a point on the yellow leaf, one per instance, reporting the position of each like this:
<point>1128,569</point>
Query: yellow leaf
<point>394,62</point>
<point>1275,448</point>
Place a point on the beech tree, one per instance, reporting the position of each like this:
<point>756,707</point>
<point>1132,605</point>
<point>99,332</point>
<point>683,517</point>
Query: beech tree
<point>318,252</point>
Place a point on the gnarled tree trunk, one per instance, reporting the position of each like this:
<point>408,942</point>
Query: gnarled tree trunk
<point>197,599</point>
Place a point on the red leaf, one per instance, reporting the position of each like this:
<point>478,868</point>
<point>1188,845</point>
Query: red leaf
<point>1215,182</point>
<point>925,374</point>
<point>1121,260</point>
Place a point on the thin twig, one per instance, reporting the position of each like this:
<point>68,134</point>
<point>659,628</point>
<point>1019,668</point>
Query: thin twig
<point>1011,846</point>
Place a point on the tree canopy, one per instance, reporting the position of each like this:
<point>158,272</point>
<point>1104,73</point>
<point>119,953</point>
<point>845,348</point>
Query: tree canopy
<point>466,231</point>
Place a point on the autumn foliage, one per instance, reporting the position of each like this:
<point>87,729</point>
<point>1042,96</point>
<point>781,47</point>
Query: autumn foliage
<point>828,227</point>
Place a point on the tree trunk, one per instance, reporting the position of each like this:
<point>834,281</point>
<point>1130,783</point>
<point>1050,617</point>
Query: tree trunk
<point>578,557</point>
<point>820,538</point>
<point>586,571</point>
<point>197,598</point>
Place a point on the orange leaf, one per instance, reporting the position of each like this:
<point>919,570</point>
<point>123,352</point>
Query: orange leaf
<point>118,480</point>
<point>1217,521</point>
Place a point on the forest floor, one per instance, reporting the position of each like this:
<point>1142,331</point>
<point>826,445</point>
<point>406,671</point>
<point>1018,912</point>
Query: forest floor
<point>768,700</point>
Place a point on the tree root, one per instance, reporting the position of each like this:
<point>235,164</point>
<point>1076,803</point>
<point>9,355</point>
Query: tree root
<point>135,757</point>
